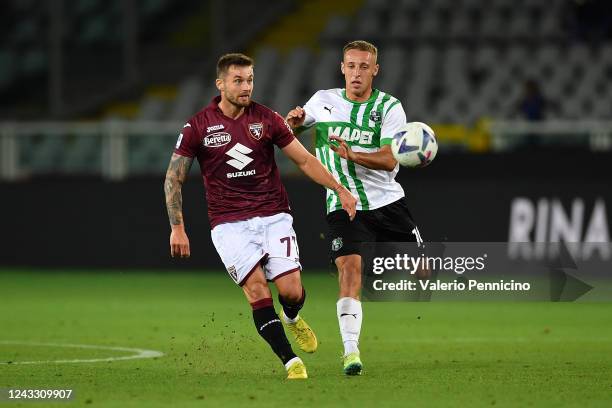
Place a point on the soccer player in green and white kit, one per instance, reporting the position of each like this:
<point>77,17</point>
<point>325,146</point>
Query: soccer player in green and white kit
<point>354,128</point>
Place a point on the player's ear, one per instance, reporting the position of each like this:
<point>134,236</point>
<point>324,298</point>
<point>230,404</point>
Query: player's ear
<point>342,67</point>
<point>376,70</point>
<point>219,84</point>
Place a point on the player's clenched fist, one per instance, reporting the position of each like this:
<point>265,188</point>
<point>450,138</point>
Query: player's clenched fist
<point>348,201</point>
<point>179,243</point>
<point>295,117</point>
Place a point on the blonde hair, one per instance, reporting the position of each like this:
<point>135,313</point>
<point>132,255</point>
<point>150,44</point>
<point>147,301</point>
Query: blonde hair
<point>361,46</point>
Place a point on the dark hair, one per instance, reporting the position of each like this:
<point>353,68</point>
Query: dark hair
<point>228,60</point>
<point>361,46</point>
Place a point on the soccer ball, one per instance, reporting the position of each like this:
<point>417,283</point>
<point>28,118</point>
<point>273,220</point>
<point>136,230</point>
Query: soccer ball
<point>414,145</point>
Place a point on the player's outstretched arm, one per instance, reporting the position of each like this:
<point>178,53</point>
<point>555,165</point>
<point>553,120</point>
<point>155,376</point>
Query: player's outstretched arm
<point>319,174</point>
<point>380,160</point>
<point>175,177</point>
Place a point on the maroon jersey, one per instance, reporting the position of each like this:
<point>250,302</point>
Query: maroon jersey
<point>237,160</point>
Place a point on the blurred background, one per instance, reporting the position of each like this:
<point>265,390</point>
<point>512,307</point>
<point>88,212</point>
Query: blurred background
<point>93,94</point>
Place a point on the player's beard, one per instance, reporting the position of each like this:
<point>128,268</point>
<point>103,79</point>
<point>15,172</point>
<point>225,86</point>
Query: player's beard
<point>235,100</point>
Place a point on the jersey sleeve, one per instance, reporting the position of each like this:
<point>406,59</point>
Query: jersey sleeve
<point>393,120</point>
<point>311,118</point>
<point>282,134</point>
<point>187,143</point>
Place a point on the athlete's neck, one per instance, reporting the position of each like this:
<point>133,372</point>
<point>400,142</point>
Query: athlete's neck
<point>230,110</point>
<point>361,98</point>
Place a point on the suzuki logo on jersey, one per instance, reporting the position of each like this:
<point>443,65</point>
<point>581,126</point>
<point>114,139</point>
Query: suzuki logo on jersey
<point>241,174</point>
<point>238,153</point>
<point>256,130</point>
<point>217,139</point>
<point>351,134</point>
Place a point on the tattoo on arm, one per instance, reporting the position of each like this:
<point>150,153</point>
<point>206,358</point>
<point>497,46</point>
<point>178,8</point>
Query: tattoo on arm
<point>177,172</point>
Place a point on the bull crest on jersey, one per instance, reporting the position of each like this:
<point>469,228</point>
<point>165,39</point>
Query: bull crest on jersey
<point>256,130</point>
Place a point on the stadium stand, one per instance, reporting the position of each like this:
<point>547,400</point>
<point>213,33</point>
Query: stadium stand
<point>87,24</point>
<point>449,61</point>
<point>455,64</point>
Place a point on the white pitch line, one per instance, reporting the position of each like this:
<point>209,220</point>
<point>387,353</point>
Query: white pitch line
<point>140,353</point>
<point>502,340</point>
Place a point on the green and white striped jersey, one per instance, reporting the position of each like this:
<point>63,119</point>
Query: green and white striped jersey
<point>365,126</point>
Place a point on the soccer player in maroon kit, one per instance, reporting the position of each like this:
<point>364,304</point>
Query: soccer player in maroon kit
<point>233,139</point>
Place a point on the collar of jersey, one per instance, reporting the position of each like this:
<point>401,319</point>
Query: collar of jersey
<point>372,97</point>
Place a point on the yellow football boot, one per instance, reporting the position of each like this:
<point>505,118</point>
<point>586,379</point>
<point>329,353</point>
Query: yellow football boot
<point>297,370</point>
<point>304,336</point>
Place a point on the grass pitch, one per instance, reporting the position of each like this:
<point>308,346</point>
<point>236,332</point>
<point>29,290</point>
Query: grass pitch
<point>414,354</point>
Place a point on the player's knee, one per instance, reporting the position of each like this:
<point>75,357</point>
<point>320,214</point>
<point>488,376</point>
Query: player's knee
<point>289,287</point>
<point>292,295</point>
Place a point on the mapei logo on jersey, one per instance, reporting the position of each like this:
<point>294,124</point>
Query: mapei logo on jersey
<point>214,127</point>
<point>217,139</point>
<point>351,134</point>
<point>256,130</point>
<point>240,159</point>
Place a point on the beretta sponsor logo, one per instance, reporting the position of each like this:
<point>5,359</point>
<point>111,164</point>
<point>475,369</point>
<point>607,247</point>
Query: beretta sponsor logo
<point>217,139</point>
